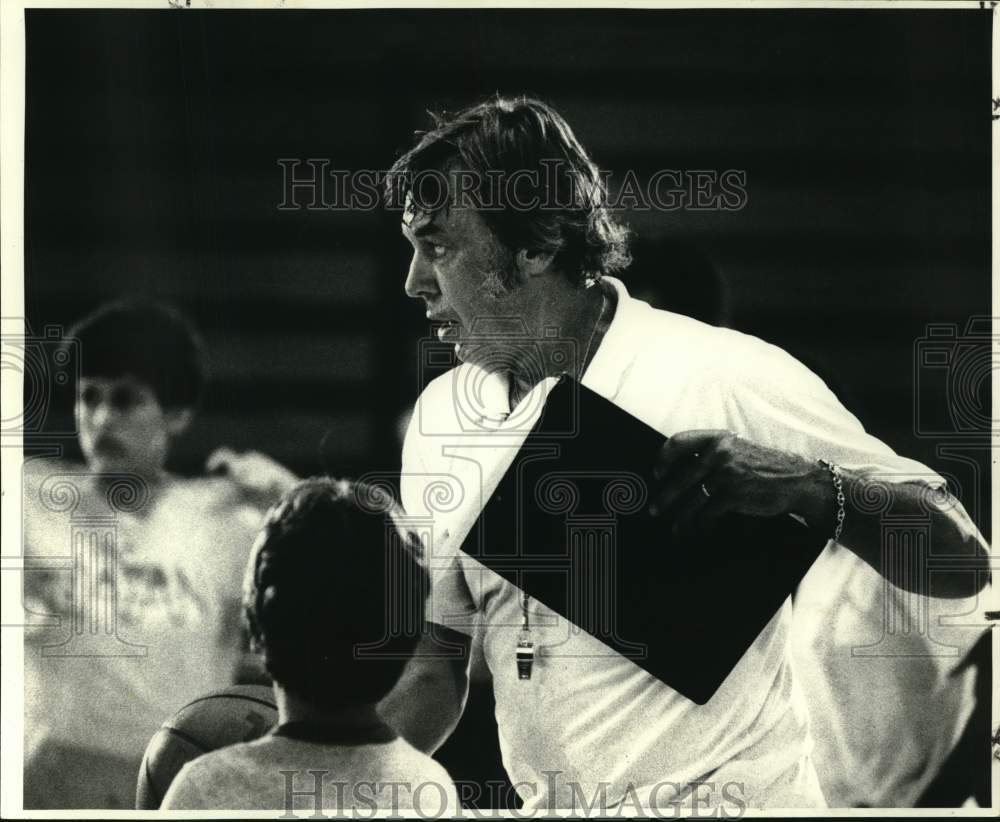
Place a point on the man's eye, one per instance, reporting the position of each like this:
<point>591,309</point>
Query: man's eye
<point>90,396</point>
<point>123,399</point>
<point>438,251</point>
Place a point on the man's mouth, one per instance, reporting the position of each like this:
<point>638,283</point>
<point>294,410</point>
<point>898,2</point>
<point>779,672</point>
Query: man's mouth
<point>109,448</point>
<point>448,330</point>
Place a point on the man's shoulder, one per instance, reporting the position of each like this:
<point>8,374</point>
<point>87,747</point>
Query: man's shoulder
<point>207,533</point>
<point>218,499</point>
<point>456,402</point>
<point>233,760</point>
<point>212,491</point>
<point>200,784</point>
<point>698,351</point>
<point>699,339</point>
<point>418,761</point>
<point>45,466</point>
<point>429,781</point>
<point>441,393</point>
<point>53,489</point>
<point>60,473</point>
<point>211,763</point>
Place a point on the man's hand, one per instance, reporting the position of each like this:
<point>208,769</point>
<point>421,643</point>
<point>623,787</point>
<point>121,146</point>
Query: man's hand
<point>704,474</point>
<point>257,475</point>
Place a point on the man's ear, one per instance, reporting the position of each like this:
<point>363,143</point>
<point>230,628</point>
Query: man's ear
<point>177,420</point>
<point>533,263</point>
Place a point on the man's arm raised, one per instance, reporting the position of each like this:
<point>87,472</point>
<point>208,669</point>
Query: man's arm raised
<point>428,701</point>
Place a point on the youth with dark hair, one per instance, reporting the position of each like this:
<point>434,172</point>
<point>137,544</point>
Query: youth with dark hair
<point>333,572</point>
<point>124,633</point>
<point>750,430</point>
<point>142,373</point>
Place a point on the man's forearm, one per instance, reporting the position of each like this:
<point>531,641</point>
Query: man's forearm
<point>428,701</point>
<point>956,563</point>
<point>703,474</point>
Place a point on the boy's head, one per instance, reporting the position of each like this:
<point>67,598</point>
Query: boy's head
<point>332,571</point>
<point>141,378</point>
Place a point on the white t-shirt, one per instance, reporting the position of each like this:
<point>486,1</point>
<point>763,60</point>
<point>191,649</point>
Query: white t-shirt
<point>589,719</point>
<point>273,773</point>
<point>104,680</point>
<point>879,667</point>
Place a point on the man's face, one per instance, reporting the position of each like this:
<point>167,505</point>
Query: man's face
<point>123,427</point>
<point>461,272</point>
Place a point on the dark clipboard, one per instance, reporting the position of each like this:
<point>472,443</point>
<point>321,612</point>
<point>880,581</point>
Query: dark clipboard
<point>569,524</point>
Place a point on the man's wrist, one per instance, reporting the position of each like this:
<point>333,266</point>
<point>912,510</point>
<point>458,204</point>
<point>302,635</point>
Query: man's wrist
<point>818,501</point>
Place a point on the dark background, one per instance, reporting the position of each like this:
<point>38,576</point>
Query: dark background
<point>153,137</point>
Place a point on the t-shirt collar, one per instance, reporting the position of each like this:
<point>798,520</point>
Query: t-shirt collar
<point>603,375</point>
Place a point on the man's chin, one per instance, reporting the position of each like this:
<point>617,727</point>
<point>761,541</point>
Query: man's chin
<point>110,465</point>
<point>475,355</point>
<point>465,352</point>
<point>485,355</point>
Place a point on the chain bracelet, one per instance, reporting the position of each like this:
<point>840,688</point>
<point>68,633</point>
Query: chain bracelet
<point>838,485</point>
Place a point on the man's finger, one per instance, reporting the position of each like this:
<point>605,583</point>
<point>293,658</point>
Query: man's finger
<point>220,460</point>
<point>687,507</point>
<point>685,444</point>
<point>710,512</point>
<point>700,519</point>
<point>681,478</point>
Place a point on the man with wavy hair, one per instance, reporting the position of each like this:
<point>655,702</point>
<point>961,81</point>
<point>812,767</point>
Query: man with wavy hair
<point>513,246</point>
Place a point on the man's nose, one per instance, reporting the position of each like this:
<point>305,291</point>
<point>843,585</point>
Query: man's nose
<point>101,414</point>
<point>420,280</point>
